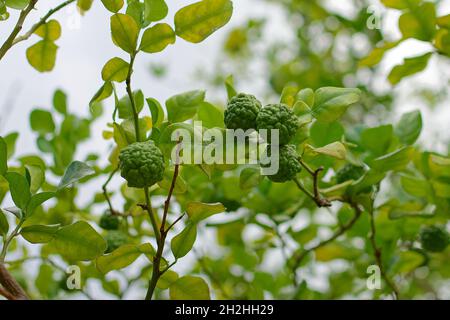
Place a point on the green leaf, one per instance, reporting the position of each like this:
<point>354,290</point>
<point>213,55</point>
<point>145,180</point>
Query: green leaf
<point>37,177</point>
<point>415,186</point>
<point>104,92</point>
<point>408,261</point>
<point>84,5</point>
<point>125,32</point>
<point>123,257</point>
<point>323,133</point>
<point>167,279</point>
<point>184,106</point>
<point>4,225</point>
<point>10,141</point>
<point>229,85</point>
<point>41,121</point>
<point>210,115</point>
<point>400,4</point>
<point>289,95</point>
<point>198,21</point>
<point>377,54</point>
<point>396,160</point>
<point>444,21</point>
<point>15,211</point>
<point>377,140</point>
<point>39,233</point>
<point>60,101</point>
<point>113,5</point>
<point>115,69</point>
<point>331,103</point>
<point>198,211</point>
<point>155,10</point>
<point>49,31</point>
<point>126,109</point>
<point>42,55</point>
<point>189,288</point>
<point>182,243</point>
<point>79,242</point>
<point>19,188</point>
<point>45,282</point>
<point>336,150</point>
<point>17,4</point>
<point>76,171</point>
<point>409,67</point>
<point>409,128</point>
<point>156,111</point>
<point>3,157</point>
<point>157,38</point>
<point>250,178</point>
<point>419,22</point>
<point>37,200</point>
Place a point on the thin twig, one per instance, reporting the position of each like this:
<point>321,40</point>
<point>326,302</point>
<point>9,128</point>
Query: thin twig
<point>175,222</point>
<point>105,191</point>
<point>42,21</point>
<point>378,256</point>
<point>300,255</point>
<point>17,28</point>
<point>156,274</point>
<point>131,97</point>
<point>316,197</point>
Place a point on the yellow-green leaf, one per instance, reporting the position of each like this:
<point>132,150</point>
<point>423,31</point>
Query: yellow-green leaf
<point>115,69</point>
<point>49,31</point>
<point>123,257</point>
<point>157,38</point>
<point>189,288</point>
<point>198,211</point>
<point>124,31</point>
<point>198,21</point>
<point>42,55</point>
<point>113,5</point>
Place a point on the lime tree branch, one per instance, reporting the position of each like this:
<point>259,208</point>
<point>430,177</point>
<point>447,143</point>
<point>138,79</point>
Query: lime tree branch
<point>14,37</point>
<point>11,288</point>
<point>157,273</point>
<point>105,191</point>
<point>131,97</point>
<point>378,256</point>
<point>42,21</point>
<point>17,28</point>
<point>299,256</point>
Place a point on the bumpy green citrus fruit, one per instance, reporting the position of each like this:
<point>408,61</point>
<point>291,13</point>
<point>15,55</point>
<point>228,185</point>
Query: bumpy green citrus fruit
<point>241,112</point>
<point>115,239</point>
<point>141,164</point>
<point>288,162</point>
<point>109,221</point>
<point>349,172</point>
<point>278,116</point>
<point>434,238</point>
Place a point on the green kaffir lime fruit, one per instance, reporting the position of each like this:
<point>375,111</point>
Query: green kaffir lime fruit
<point>434,239</point>
<point>115,239</point>
<point>241,112</point>
<point>278,116</point>
<point>109,221</point>
<point>288,162</point>
<point>141,164</point>
<point>349,172</point>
